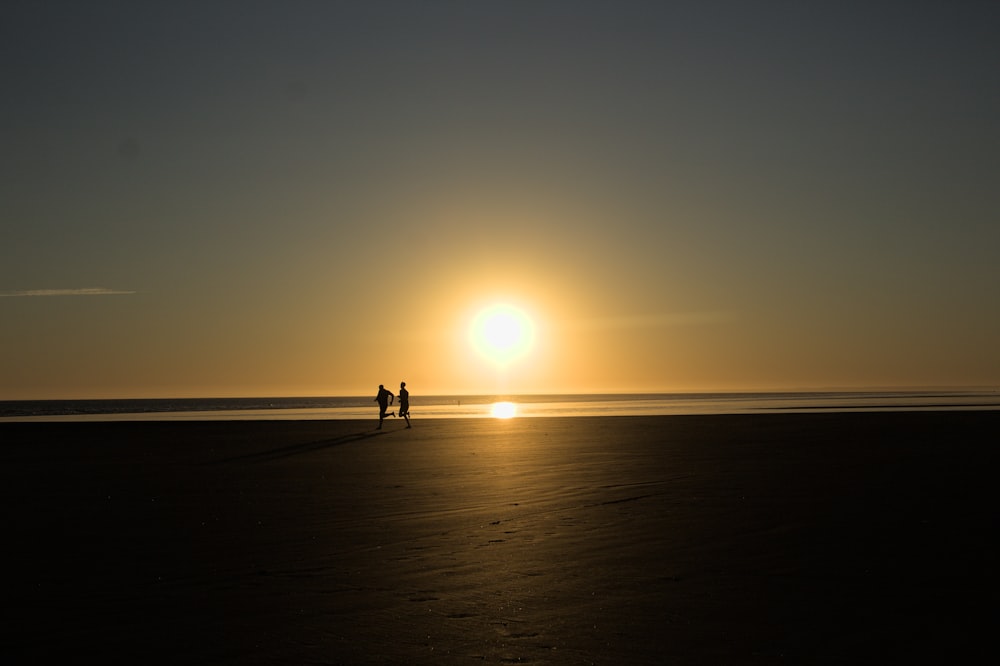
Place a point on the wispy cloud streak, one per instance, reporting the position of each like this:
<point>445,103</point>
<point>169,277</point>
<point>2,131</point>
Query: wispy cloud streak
<point>88,291</point>
<point>656,320</point>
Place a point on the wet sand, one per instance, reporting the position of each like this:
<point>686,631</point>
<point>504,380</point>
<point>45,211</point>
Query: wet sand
<point>792,538</point>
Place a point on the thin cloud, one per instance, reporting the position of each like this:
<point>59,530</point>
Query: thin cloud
<point>88,291</point>
<point>657,321</point>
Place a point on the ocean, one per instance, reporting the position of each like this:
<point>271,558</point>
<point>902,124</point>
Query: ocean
<point>484,406</point>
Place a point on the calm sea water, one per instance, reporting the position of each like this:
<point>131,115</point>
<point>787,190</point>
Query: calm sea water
<point>482,406</point>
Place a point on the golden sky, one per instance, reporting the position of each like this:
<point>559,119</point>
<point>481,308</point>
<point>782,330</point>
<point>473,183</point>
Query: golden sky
<point>315,198</point>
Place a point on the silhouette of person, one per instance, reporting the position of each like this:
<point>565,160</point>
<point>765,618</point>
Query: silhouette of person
<point>404,403</point>
<point>384,399</point>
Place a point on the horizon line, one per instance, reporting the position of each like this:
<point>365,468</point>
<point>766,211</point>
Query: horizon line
<point>856,389</point>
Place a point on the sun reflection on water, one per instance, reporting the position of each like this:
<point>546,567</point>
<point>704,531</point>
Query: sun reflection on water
<point>503,410</point>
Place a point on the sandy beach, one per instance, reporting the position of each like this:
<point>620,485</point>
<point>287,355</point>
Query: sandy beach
<point>762,539</point>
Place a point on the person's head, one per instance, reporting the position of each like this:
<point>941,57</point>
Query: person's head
<point>380,386</point>
<point>402,384</point>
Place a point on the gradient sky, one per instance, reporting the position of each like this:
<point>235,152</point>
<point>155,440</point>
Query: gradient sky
<point>312,198</point>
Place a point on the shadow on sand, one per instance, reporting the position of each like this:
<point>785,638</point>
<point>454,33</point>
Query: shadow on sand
<point>298,449</point>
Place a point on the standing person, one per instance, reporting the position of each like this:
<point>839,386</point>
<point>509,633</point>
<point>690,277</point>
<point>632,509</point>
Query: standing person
<point>384,399</point>
<point>404,403</point>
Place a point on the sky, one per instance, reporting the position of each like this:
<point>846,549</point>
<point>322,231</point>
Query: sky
<point>313,198</point>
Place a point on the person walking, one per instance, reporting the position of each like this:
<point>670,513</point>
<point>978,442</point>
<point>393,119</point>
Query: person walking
<point>384,399</point>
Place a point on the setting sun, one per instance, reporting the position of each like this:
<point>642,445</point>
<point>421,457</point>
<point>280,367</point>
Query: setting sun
<point>502,333</point>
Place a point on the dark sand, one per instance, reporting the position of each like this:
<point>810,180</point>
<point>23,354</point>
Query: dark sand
<point>827,538</point>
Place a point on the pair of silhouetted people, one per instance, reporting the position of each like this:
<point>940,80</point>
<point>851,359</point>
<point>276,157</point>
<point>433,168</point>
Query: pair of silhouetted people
<point>385,398</point>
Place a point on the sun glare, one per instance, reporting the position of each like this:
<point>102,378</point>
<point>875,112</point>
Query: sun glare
<point>502,333</point>
<point>503,410</point>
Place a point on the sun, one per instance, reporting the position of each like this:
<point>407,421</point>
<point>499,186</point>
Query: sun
<point>502,333</point>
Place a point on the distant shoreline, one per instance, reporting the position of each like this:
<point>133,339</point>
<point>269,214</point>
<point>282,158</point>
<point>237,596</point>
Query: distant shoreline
<point>477,406</point>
